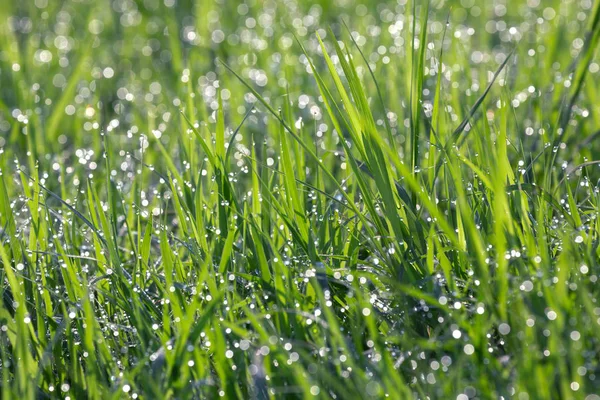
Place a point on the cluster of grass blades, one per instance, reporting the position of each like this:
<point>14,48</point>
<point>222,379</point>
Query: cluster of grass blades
<point>448,260</point>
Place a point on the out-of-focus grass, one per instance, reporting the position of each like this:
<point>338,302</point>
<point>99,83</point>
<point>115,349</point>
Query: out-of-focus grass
<point>330,199</point>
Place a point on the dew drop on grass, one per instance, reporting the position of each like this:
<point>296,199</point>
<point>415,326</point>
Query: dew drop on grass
<point>469,349</point>
<point>527,286</point>
<point>504,328</point>
<point>584,269</point>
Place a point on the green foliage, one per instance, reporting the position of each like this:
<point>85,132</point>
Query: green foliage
<point>281,199</point>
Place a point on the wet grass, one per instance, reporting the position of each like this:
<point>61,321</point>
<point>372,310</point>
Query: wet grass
<point>299,199</point>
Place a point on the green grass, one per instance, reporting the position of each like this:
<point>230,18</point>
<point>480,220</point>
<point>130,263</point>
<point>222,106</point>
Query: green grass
<point>281,199</point>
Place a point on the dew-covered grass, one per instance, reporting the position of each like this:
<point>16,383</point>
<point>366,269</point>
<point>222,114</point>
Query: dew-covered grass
<point>300,199</point>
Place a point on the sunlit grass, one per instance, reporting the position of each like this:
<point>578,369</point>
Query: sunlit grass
<point>325,199</point>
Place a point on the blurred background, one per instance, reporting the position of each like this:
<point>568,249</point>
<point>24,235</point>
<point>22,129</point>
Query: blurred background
<point>71,69</point>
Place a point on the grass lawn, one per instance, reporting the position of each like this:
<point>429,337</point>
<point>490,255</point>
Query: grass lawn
<point>346,199</point>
